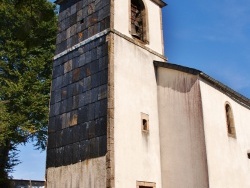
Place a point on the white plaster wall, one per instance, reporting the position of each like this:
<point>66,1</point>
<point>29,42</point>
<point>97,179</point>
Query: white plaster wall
<point>122,22</point>
<point>183,156</point>
<point>87,174</point>
<point>137,155</point>
<point>228,164</point>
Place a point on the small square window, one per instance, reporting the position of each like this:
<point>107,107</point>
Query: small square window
<point>144,122</point>
<point>144,184</point>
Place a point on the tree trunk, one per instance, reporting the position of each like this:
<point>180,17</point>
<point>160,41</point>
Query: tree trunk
<point>4,165</point>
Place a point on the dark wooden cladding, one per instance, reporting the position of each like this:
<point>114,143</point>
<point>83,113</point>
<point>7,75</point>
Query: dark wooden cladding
<point>79,20</point>
<point>78,106</point>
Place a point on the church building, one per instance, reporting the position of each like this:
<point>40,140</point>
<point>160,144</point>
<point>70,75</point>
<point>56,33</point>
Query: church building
<point>122,116</point>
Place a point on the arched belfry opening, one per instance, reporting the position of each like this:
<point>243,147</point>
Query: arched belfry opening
<point>138,20</point>
<point>230,121</point>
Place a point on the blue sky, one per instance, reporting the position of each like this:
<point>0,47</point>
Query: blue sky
<point>212,36</point>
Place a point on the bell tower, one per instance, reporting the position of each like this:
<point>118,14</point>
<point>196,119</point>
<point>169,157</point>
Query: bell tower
<point>103,126</point>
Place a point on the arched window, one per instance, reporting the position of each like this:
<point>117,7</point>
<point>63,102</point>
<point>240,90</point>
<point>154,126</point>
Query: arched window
<point>230,121</point>
<point>138,20</point>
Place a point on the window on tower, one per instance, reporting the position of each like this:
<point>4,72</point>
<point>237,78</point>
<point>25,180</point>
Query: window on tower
<point>230,121</point>
<point>138,20</point>
<point>144,122</point>
<point>144,184</point>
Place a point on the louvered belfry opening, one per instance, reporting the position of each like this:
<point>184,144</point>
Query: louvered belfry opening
<point>138,19</point>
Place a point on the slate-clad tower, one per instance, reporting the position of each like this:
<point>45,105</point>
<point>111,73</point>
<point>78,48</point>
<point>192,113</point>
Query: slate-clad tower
<point>103,126</point>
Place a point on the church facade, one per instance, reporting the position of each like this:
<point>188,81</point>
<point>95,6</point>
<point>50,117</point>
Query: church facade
<point>122,116</point>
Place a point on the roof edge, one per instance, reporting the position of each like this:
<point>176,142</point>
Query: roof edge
<point>160,3</point>
<point>176,67</point>
<point>230,92</point>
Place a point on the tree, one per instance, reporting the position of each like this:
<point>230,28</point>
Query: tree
<point>27,37</point>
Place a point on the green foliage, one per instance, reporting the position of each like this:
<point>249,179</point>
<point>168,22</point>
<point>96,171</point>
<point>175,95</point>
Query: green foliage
<point>27,38</point>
